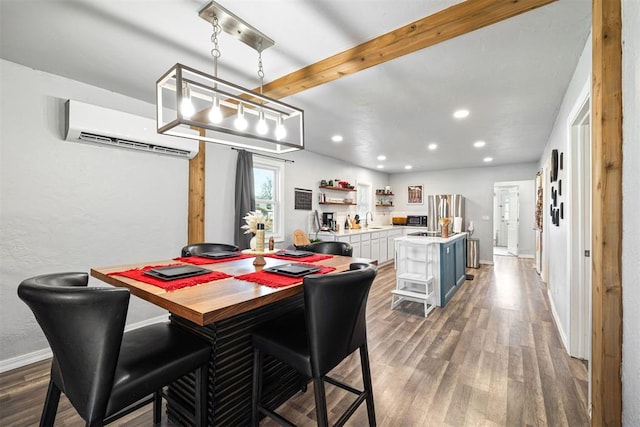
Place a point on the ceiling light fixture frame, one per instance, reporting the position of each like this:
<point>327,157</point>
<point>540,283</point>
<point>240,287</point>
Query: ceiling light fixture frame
<point>203,88</point>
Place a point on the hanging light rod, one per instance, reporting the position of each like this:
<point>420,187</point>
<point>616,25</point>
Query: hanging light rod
<point>233,25</point>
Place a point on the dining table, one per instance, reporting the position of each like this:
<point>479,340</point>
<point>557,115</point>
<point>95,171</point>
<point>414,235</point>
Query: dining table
<point>223,306</point>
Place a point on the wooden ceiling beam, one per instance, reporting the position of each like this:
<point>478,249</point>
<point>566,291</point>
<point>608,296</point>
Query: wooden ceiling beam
<point>444,25</point>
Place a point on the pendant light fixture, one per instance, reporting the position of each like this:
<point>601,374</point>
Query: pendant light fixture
<point>200,106</point>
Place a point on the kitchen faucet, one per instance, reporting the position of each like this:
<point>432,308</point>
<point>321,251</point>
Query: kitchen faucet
<point>366,217</point>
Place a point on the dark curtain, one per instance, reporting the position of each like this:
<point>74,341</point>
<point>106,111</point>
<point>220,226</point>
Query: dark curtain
<point>245,197</point>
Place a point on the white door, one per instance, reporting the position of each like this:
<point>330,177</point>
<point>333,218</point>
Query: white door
<point>514,221</point>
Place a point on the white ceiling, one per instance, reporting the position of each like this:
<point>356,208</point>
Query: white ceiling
<point>511,76</point>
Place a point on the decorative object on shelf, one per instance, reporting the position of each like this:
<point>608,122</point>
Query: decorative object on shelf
<point>195,105</point>
<point>415,195</point>
<point>303,199</point>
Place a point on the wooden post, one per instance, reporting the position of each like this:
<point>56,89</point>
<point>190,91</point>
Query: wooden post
<point>195,232</point>
<point>606,391</point>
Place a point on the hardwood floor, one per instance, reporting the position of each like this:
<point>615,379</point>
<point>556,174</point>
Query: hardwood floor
<point>492,357</point>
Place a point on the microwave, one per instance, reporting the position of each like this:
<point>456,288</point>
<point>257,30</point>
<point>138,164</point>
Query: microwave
<point>417,220</point>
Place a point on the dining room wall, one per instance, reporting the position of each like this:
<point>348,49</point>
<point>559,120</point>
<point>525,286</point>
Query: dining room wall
<point>68,206</point>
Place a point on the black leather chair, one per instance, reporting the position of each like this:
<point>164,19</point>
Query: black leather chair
<point>105,372</point>
<point>314,340</point>
<point>334,248</point>
<point>199,248</point>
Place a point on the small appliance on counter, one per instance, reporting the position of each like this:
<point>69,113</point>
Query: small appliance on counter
<point>399,220</point>
<point>416,220</point>
<point>329,220</point>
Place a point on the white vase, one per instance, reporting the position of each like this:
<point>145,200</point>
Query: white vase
<point>252,243</point>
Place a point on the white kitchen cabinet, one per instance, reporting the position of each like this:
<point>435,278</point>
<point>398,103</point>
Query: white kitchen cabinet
<point>391,245</point>
<point>365,245</point>
<point>375,247</point>
<point>384,257</point>
<point>355,244</point>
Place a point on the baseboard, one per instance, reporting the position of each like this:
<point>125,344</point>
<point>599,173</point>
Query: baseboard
<point>45,353</point>
<point>526,256</point>
<point>557,323</point>
<point>484,261</point>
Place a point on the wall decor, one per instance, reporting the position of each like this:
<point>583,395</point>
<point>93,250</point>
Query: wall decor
<point>561,161</point>
<point>302,199</point>
<point>562,210</point>
<point>560,187</point>
<point>415,195</point>
<point>554,166</point>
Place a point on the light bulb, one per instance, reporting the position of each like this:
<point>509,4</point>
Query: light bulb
<point>281,131</point>
<point>240,122</point>
<point>186,106</point>
<point>262,128</point>
<point>215,113</point>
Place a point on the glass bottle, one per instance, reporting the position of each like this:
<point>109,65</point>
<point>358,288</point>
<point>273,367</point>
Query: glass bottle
<point>260,238</point>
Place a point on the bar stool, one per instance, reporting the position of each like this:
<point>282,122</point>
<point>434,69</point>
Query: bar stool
<point>105,372</point>
<point>329,247</point>
<point>314,340</point>
<point>200,248</point>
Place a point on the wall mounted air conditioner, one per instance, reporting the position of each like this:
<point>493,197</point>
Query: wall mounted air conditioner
<point>102,126</point>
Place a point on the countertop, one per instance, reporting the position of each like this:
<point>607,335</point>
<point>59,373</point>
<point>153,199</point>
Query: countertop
<point>429,239</point>
<point>369,230</point>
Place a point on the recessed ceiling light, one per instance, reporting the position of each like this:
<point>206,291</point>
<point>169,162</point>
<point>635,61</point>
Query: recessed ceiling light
<point>382,157</point>
<point>408,167</point>
<point>432,146</point>
<point>461,114</point>
<point>479,144</point>
<point>488,159</point>
<point>336,138</point>
<point>380,166</point>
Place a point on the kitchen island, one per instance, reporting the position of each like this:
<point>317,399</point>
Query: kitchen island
<point>429,270</point>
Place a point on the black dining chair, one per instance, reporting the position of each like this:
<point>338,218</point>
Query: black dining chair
<point>200,248</point>
<point>329,247</point>
<point>104,372</point>
<point>315,339</point>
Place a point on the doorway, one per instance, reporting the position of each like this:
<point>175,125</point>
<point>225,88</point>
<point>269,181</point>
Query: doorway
<point>506,220</point>
<point>580,241</point>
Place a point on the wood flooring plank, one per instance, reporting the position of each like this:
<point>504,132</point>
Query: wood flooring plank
<point>491,357</point>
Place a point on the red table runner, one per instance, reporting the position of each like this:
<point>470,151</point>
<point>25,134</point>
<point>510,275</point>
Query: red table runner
<point>170,285</point>
<point>198,260</point>
<point>310,258</point>
<point>274,280</point>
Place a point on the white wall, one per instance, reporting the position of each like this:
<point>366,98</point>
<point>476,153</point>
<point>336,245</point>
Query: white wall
<point>69,207</point>
<point>631,207</point>
<point>476,185</point>
<point>556,238</point>
<point>306,171</point>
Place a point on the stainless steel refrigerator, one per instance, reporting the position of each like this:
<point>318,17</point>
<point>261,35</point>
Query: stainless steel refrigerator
<point>444,206</point>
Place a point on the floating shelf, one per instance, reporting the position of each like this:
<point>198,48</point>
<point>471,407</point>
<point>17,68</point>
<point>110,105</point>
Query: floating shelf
<point>338,203</point>
<point>337,188</point>
<point>384,194</point>
<point>387,205</point>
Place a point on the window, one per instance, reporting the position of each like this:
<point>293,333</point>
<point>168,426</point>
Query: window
<point>364,199</point>
<point>268,176</point>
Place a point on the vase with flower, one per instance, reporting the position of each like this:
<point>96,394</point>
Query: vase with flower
<point>255,220</point>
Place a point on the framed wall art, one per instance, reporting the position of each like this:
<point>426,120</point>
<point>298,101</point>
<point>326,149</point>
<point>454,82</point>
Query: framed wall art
<point>415,195</point>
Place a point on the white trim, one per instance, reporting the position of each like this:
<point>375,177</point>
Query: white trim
<point>526,256</point>
<point>556,320</point>
<point>484,261</point>
<point>39,355</point>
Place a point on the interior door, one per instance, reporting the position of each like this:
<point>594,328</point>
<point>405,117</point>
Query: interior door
<point>514,221</point>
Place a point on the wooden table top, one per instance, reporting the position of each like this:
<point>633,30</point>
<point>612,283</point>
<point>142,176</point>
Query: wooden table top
<point>213,301</point>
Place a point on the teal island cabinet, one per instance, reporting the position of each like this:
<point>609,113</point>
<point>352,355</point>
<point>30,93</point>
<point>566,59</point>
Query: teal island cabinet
<point>429,270</point>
